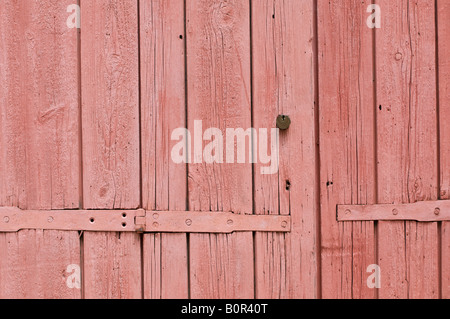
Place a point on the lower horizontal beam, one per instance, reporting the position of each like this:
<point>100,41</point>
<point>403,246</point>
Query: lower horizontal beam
<point>14,219</point>
<point>430,211</point>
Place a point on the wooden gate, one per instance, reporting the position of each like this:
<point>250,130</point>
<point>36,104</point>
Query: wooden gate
<point>93,205</point>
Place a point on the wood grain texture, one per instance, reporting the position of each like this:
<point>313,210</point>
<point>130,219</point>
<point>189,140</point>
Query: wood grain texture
<point>218,64</point>
<point>110,104</point>
<point>283,83</point>
<point>443,16</point>
<point>110,115</point>
<point>407,152</point>
<point>163,110</point>
<point>39,158</point>
<point>33,264</point>
<point>347,143</point>
<point>112,265</point>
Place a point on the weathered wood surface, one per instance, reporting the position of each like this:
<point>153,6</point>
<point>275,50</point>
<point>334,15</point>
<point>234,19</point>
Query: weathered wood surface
<point>219,94</point>
<point>284,83</point>
<point>407,146</point>
<point>39,156</point>
<point>347,146</point>
<point>443,18</point>
<point>86,118</point>
<point>163,109</point>
<point>110,122</point>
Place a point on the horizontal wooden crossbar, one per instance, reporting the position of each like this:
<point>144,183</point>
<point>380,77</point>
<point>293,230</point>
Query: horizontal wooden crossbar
<point>14,219</point>
<point>431,211</point>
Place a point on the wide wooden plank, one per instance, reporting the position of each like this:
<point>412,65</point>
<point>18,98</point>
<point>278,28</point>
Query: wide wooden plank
<point>163,108</point>
<point>110,115</point>
<point>347,143</point>
<point>443,18</point>
<point>218,65</point>
<point>283,83</point>
<point>407,152</point>
<point>39,157</point>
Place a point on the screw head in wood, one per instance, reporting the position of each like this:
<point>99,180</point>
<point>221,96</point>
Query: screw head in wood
<point>395,211</point>
<point>230,222</point>
<point>284,224</point>
<point>188,222</point>
<point>50,219</point>
<point>283,122</point>
<point>437,211</point>
<point>6,219</point>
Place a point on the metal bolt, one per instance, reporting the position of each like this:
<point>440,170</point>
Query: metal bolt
<point>437,211</point>
<point>188,222</point>
<point>284,224</point>
<point>6,219</point>
<point>283,122</point>
<point>395,211</point>
<point>398,56</point>
<point>50,219</point>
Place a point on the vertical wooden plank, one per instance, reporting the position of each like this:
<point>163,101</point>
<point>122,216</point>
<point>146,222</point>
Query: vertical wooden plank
<point>112,266</point>
<point>347,157</point>
<point>110,115</point>
<point>283,83</point>
<point>407,152</point>
<point>218,64</point>
<point>163,110</point>
<point>39,158</point>
<point>443,16</point>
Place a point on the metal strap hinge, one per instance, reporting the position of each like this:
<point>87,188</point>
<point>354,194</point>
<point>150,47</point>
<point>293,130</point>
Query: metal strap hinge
<point>429,211</point>
<point>14,219</point>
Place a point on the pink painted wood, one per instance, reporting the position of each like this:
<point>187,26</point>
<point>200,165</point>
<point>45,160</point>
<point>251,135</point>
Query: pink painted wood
<point>407,146</point>
<point>163,106</point>
<point>370,124</point>
<point>218,65</point>
<point>443,16</point>
<point>283,83</point>
<point>39,158</point>
<point>110,115</point>
<point>347,146</point>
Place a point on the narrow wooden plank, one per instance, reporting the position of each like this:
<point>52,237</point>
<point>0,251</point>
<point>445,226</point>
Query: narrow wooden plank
<point>347,157</point>
<point>283,83</point>
<point>163,110</point>
<point>407,152</point>
<point>110,115</point>
<point>39,158</point>
<point>443,16</point>
<point>218,64</point>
